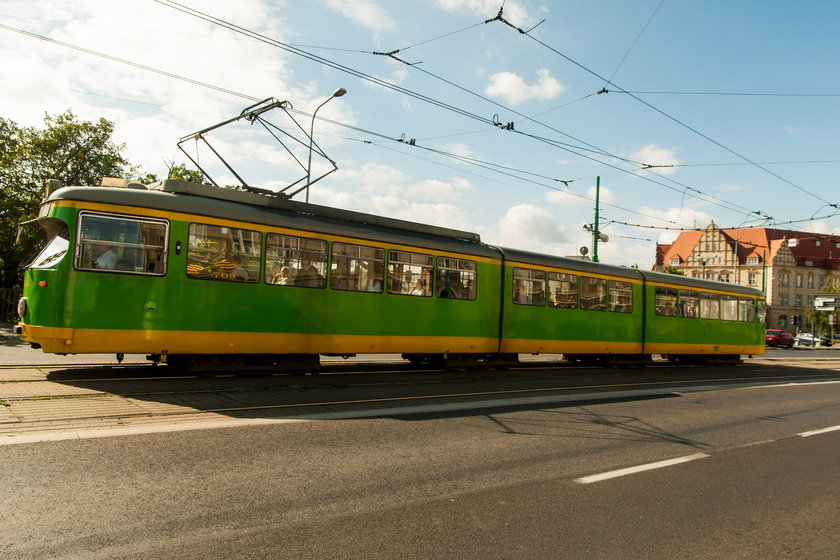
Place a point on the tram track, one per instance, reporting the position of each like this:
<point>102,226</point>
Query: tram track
<point>83,396</point>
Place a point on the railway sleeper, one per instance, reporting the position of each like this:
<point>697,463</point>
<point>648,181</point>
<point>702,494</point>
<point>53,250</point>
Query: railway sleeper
<point>210,364</point>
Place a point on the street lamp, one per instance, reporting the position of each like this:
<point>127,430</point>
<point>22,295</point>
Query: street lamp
<point>337,93</point>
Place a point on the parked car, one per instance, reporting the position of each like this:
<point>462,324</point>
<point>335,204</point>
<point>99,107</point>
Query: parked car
<point>808,339</point>
<point>776,337</point>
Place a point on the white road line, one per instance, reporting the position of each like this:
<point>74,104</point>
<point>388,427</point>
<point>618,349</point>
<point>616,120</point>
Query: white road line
<point>818,432</point>
<point>639,468</point>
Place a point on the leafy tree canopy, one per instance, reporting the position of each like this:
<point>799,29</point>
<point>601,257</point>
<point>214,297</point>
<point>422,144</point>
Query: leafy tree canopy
<point>75,152</point>
<point>673,270</point>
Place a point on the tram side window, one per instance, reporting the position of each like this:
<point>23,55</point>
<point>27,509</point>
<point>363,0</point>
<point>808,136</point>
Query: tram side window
<point>223,253</point>
<point>666,301</point>
<point>728,308</point>
<point>621,296</point>
<point>57,243</point>
<point>746,310</point>
<point>761,311</point>
<point>357,268</point>
<point>295,261</point>
<point>456,278</point>
<point>528,286</point>
<point>709,306</point>
<point>593,293</point>
<point>563,290</point>
<point>689,303</point>
<point>410,273</point>
<point>121,244</point>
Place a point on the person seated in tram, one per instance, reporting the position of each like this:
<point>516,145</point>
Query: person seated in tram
<point>308,276</point>
<point>283,277</point>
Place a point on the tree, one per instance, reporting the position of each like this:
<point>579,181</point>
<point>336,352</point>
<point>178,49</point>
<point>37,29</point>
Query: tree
<point>74,152</point>
<point>176,171</point>
<point>673,270</point>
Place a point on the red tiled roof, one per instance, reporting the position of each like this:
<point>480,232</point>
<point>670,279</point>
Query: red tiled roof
<point>822,250</point>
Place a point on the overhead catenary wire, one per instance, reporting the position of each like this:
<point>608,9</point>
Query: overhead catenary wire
<point>657,110</point>
<point>252,98</point>
<point>495,122</point>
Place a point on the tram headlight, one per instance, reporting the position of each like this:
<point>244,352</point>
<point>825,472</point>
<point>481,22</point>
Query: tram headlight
<point>23,307</point>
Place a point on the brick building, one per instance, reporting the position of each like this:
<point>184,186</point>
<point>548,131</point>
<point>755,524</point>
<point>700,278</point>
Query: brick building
<point>790,266</point>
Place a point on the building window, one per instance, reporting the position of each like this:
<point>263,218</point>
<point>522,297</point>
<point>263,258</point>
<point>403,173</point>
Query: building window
<point>784,279</point>
<point>822,283</point>
<point>798,300</point>
<point>810,281</point>
<point>798,280</point>
<point>784,299</point>
<point>751,278</point>
<point>675,262</point>
<point>753,260</point>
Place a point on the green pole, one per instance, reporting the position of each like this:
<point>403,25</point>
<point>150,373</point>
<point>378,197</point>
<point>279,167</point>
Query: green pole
<point>764,272</point>
<point>595,233</point>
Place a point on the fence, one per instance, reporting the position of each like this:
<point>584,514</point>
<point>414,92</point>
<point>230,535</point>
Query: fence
<point>8,304</point>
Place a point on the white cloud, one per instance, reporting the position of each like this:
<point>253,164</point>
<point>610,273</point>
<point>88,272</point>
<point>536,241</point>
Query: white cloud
<point>794,130</point>
<point>569,198</point>
<point>684,217</point>
<point>654,155</point>
<point>367,14</point>
<point>513,89</point>
<point>530,228</point>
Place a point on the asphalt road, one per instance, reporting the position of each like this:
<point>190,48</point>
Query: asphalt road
<point>495,482</point>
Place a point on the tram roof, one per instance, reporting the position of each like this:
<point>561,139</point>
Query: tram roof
<point>193,198</point>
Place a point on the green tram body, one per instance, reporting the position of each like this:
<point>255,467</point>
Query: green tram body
<point>174,306</point>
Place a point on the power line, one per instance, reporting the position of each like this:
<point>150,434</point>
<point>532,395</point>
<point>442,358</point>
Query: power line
<point>730,93</point>
<point>494,121</point>
<point>656,109</point>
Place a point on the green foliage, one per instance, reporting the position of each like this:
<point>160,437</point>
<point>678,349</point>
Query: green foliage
<point>181,172</point>
<point>673,270</point>
<point>74,152</point>
<point>176,171</point>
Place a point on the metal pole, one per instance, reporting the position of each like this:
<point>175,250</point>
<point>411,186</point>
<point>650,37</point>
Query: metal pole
<point>764,272</point>
<point>337,93</point>
<point>595,233</point>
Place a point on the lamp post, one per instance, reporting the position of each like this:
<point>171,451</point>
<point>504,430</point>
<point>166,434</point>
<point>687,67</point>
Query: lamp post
<point>337,93</point>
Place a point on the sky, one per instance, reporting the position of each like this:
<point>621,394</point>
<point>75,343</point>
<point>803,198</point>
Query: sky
<point>480,115</point>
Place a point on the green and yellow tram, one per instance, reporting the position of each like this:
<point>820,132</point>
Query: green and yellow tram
<point>200,276</point>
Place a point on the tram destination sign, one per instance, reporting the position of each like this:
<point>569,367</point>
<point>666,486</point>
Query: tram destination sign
<point>827,302</point>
